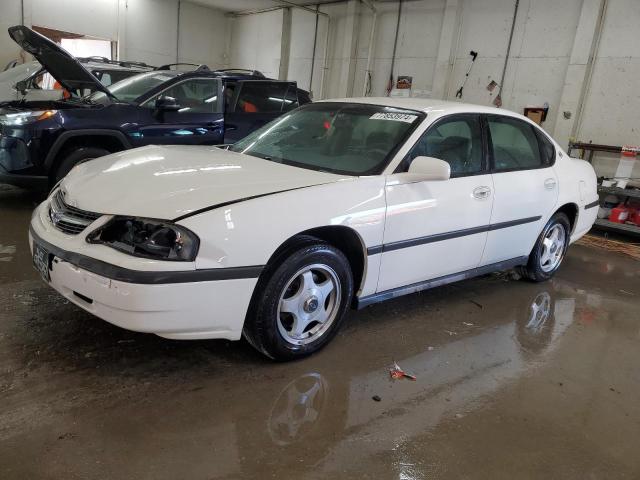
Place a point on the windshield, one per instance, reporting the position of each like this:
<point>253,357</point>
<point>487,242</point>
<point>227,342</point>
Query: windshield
<point>129,89</point>
<point>19,72</point>
<point>345,138</point>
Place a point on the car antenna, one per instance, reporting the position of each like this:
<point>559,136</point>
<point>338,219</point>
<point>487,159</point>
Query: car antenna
<point>466,76</point>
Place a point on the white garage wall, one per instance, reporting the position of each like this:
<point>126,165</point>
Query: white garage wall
<point>545,41</point>
<point>145,29</point>
<point>612,108</point>
<point>98,18</point>
<point>150,32</point>
<point>204,35</point>
<point>9,15</point>
<point>541,47</point>
<point>417,49</point>
<point>256,42</point>
<point>303,26</point>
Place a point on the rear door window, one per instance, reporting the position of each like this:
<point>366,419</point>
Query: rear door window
<point>514,144</point>
<point>547,150</point>
<point>256,96</point>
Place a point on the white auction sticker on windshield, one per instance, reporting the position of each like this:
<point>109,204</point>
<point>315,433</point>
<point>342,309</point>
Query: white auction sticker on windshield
<point>398,117</point>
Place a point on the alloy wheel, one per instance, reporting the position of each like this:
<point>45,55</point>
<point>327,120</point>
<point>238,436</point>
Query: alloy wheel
<point>309,304</point>
<point>553,247</point>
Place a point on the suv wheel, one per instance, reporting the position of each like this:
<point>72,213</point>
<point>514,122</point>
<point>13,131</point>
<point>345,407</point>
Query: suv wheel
<point>74,157</point>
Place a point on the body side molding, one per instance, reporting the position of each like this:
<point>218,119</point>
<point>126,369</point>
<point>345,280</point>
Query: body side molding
<point>362,302</point>
<point>438,237</point>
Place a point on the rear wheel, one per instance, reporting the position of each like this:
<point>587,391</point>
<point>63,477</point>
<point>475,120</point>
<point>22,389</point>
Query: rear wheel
<point>549,251</point>
<point>74,157</point>
<point>299,305</point>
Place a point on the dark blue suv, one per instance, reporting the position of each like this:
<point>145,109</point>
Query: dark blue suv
<point>40,141</point>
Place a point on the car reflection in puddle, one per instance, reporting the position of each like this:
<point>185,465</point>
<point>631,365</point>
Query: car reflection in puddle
<point>298,407</point>
<point>453,379</point>
<point>449,376</point>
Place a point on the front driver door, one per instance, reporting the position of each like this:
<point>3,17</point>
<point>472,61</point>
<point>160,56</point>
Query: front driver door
<point>255,103</point>
<point>199,121</point>
<point>438,228</point>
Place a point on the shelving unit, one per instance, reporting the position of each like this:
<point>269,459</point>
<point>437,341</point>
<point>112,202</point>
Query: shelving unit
<point>589,150</point>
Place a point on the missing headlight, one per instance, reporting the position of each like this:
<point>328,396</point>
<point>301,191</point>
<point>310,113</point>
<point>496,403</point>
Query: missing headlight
<point>147,238</point>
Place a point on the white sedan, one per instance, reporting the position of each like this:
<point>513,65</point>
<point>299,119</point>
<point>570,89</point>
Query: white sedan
<point>337,204</point>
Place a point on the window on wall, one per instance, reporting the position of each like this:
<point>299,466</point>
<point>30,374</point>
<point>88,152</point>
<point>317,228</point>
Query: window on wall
<point>457,141</point>
<point>514,144</point>
<point>87,47</point>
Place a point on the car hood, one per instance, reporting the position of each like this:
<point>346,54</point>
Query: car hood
<point>168,182</point>
<point>10,77</point>
<point>65,68</point>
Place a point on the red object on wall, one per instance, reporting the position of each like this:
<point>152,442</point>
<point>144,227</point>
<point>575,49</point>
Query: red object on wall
<point>619,214</point>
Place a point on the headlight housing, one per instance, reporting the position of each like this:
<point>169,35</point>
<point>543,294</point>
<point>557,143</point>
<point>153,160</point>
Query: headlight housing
<point>148,238</point>
<point>24,118</point>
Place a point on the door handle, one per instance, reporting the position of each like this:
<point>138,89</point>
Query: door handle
<point>550,183</point>
<point>481,193</point>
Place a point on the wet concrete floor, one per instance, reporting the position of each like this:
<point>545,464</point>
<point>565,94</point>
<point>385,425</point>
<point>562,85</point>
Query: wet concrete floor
<point>514,380</point>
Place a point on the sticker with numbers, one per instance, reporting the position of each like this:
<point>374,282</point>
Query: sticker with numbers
<point>398,117</point>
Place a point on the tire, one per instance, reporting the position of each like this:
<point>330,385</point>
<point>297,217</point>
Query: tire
<point>299,303</point>
<point>548,253</point>
<point>74,157</point>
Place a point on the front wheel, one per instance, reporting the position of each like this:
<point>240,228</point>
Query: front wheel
<point>299,305</point>
<point>74,157</point>
<point>549,250</point>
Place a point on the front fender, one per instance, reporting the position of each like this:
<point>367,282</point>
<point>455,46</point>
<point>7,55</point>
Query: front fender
<point>249,232</point>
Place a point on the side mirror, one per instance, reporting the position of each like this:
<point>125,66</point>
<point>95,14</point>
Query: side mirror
<point>429,168</point>
<point>422,169</point>
<point>165,103</point>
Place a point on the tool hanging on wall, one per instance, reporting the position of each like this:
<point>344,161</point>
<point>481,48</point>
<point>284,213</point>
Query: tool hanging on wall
<point>466,77</point>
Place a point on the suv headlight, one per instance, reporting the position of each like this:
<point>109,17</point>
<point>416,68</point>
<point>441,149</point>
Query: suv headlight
<point>24,118</point>
<point>147,238</point>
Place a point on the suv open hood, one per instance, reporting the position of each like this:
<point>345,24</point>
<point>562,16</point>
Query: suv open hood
<point>59,63</point>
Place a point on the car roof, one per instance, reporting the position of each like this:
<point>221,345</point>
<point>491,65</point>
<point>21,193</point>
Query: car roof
<point>218,74</point>
<point>426,105</point>
<point>114,66</point>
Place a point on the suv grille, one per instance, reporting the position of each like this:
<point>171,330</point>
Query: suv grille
<point>68,219</point>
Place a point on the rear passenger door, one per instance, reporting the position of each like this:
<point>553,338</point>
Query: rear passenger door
<point>254,104</point>
<point>525,187</point>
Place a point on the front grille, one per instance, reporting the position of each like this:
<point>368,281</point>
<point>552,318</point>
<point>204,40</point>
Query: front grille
<point>68,219</point>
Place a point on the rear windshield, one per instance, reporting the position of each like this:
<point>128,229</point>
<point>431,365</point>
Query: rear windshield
<point>345,138</point>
